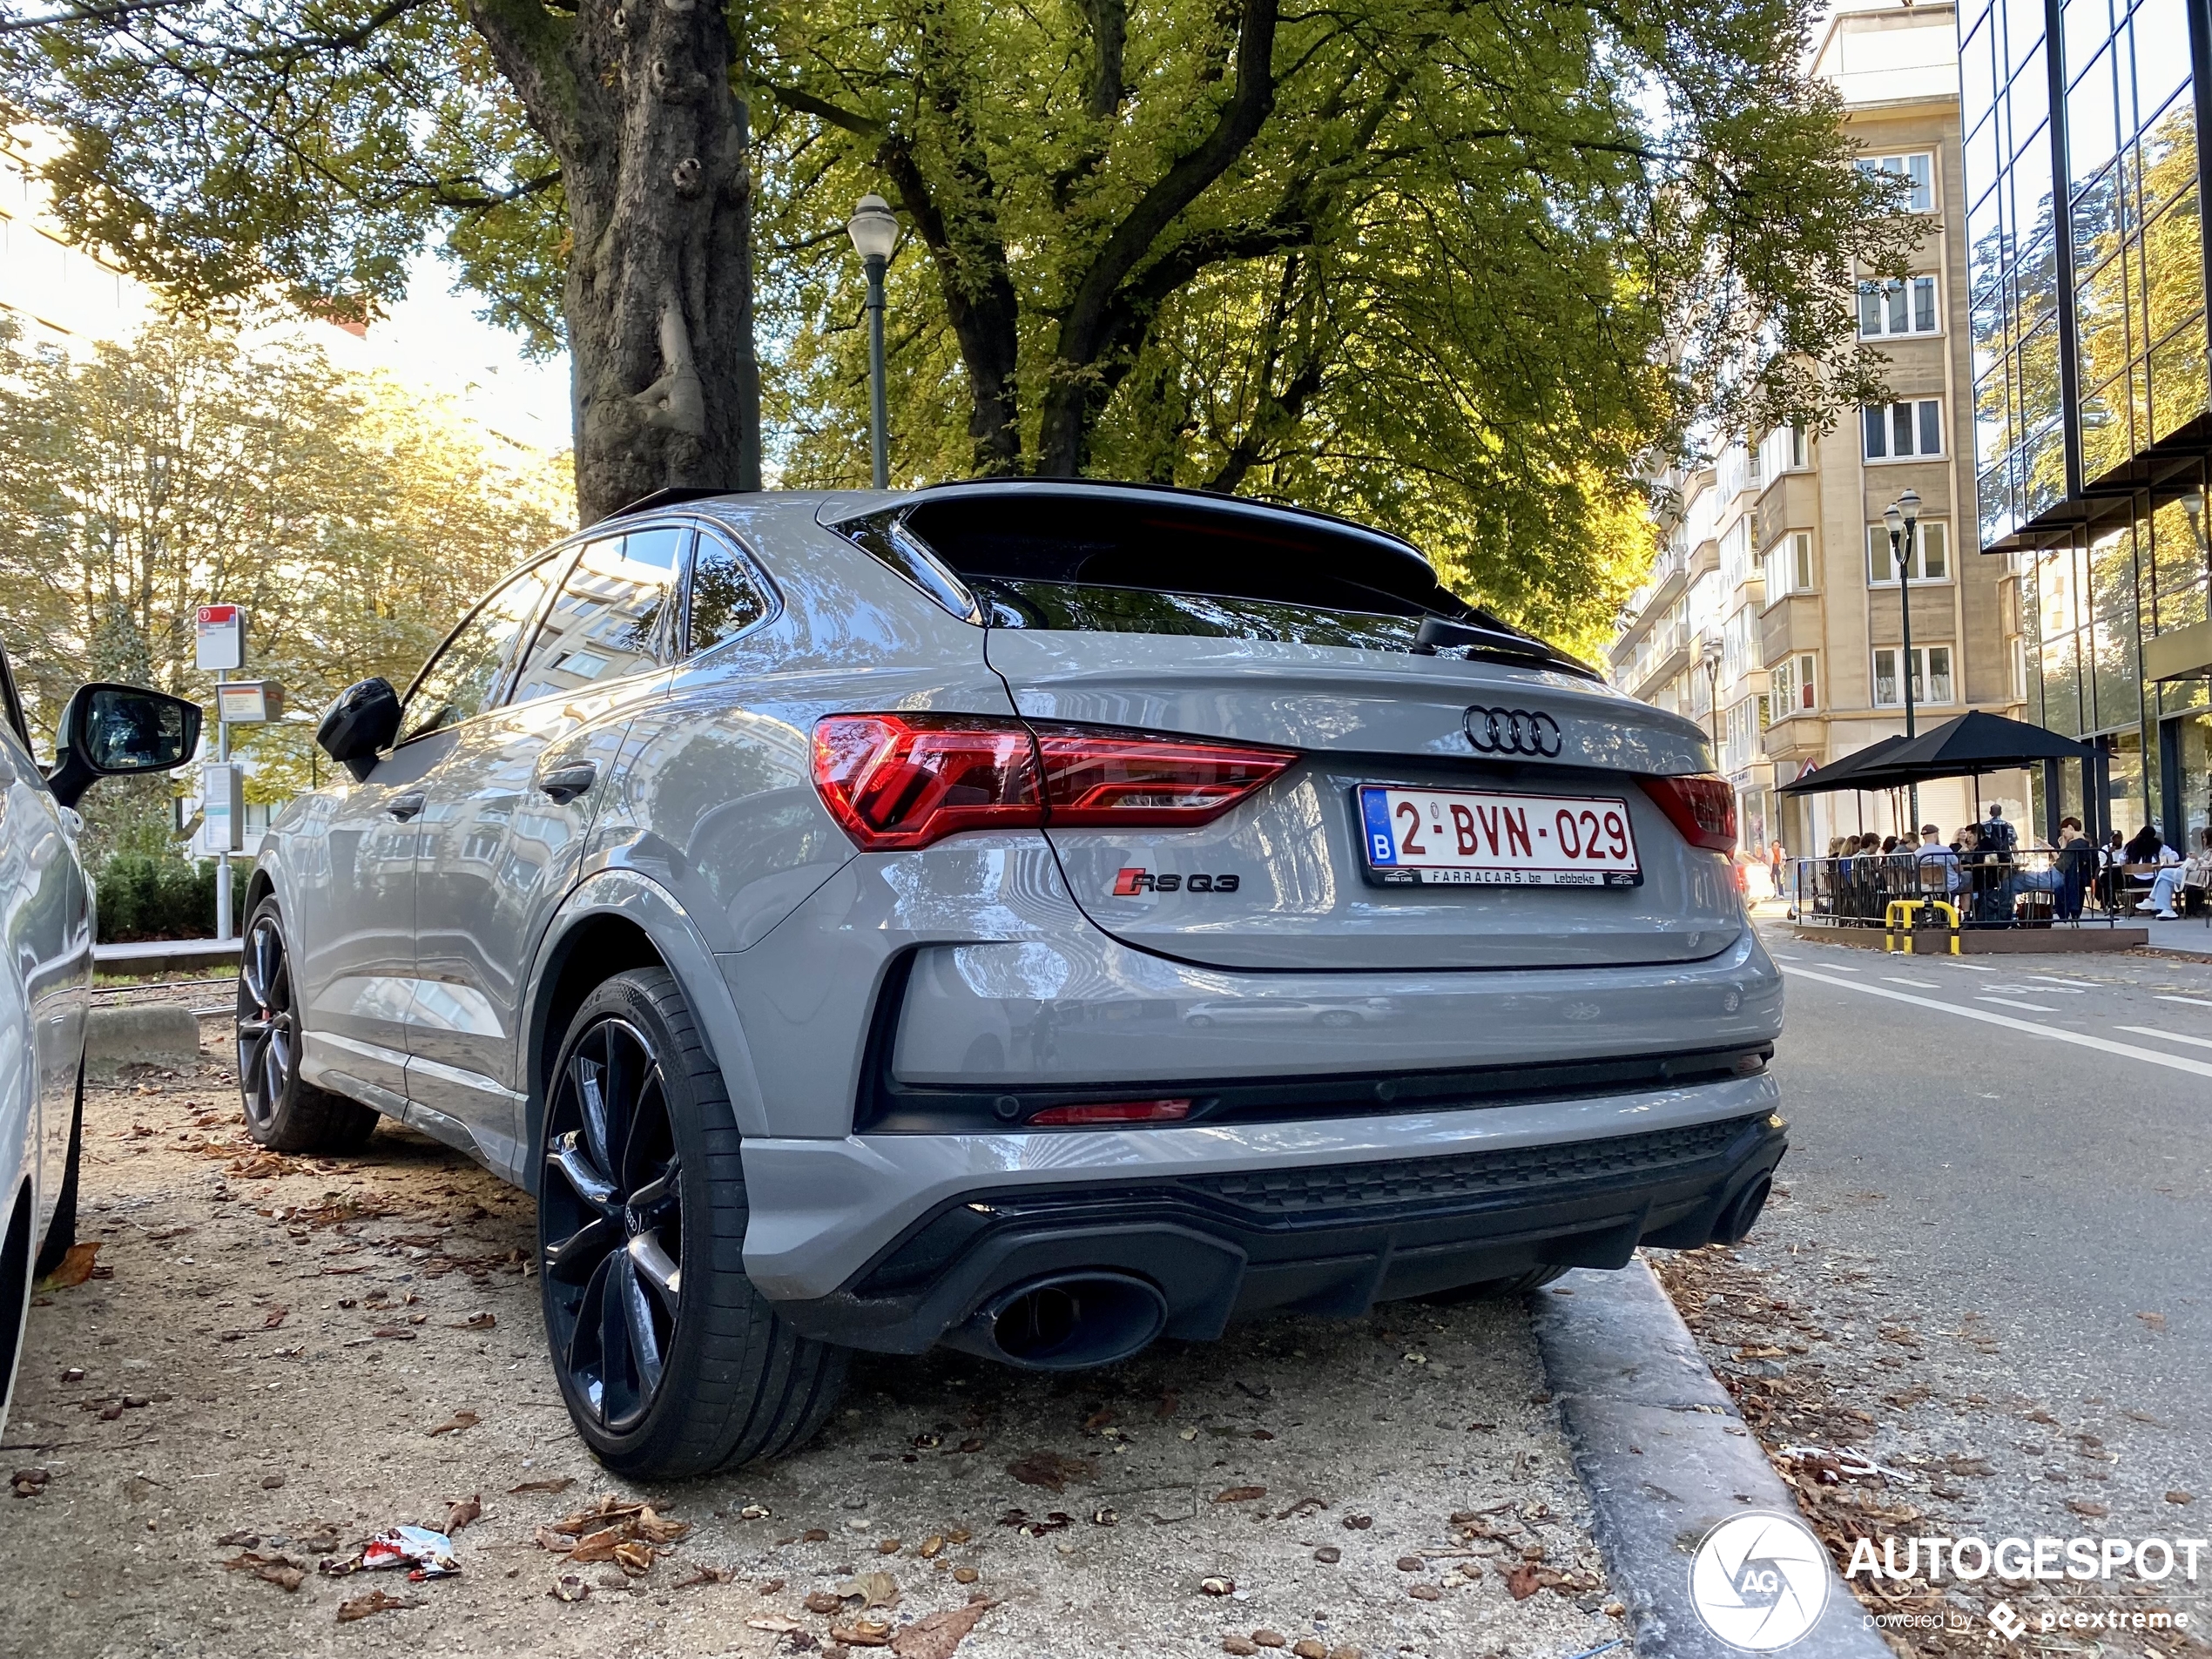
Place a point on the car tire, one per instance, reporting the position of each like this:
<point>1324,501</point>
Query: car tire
<point>61,1231</point>
<point>1199,1021</point>
<point>1493,1289</point>
<point>666,1373</point>
<point>283,1111</point>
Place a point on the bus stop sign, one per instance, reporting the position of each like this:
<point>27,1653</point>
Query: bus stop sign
<point>221,641</point>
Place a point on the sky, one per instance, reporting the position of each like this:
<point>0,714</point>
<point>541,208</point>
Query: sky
<point>434,340</point>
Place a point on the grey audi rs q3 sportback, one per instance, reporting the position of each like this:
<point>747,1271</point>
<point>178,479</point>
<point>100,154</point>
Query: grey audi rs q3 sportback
<point>1037,917</point>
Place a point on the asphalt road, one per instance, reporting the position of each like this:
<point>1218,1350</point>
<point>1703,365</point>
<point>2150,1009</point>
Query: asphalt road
<point>1998,1176</point>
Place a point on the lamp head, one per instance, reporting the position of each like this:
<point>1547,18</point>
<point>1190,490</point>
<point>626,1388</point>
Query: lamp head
<point>2192,504</point>
<point>1894,519</point>
<point>1909,504</point>
<point>873,228</point>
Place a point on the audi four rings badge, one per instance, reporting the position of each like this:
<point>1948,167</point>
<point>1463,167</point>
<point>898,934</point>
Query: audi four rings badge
<point>1512,731</point>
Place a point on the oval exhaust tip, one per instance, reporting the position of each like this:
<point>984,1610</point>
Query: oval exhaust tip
<point>1737,1221</point>
<point>1077,1320</point>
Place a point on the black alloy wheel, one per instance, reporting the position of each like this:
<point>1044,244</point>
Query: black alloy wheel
<point>268,1033</point>
<point>613,1224</point>
<point>670,1362</point>
<point>283,1112</point>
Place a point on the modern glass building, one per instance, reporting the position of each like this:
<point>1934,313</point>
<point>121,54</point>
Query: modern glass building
<point>2088,267</point>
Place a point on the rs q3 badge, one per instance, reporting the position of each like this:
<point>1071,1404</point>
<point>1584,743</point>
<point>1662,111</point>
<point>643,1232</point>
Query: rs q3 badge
<point>1128,883</point>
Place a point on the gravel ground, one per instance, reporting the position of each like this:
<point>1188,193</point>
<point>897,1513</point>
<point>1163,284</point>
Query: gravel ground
<point>278,1357</point>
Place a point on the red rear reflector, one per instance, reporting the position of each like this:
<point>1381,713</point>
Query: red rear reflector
<point>1702,807</point>
<point>903,780</point>
<point>1113,1111</point>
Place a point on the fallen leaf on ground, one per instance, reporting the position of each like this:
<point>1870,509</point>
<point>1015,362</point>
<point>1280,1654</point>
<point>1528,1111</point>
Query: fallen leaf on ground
<point>74,1268</point>
<point>483,1321</point>
<point>374,1601</point>
<point>281,1570</point>
<point>2094,1511</point>
<point>634,1559</point>
<point>569,1587</point>
<point>1052,1470</point>
<point>2156,1321</point>
<point>1239,1494</point>
<point>461,1513</point>
<point>561,1485</point>
<point>875,1589</point>
<point>1218,1586</point>
<point>823,1601</point>
<point>774,1622</point>
<point>1168,1403</point>
<point>870,1635</point>
<point>458,1421</point>
<point>1524,1581</point>
<point>2179,1496</point>
<point>936,1634</point>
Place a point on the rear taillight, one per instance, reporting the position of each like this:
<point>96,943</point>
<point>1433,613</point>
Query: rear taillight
<point>1702,808</point>
<point>905,780</point>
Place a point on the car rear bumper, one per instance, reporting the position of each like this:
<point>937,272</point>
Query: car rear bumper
<point>890,1241</point>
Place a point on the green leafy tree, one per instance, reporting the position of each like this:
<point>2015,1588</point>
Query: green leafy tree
<point>354,523</point>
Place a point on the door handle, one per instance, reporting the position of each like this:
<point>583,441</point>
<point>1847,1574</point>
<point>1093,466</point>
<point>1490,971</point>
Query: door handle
<point>406,806</point>
<point>566,783</point>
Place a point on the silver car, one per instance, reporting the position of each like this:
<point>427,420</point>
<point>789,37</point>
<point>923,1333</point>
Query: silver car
<point>47,921</point>
<point>856,918</point>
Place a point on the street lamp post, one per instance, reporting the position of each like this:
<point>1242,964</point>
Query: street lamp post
<point>874,230</point>
<point>1904,521</point>
<point>1709,654</point>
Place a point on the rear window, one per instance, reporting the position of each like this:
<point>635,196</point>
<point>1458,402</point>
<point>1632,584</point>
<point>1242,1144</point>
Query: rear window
<point>1075,606</point>
<point>1123,559</point>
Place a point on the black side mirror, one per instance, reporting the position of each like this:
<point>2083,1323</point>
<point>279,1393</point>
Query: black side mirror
<point>115,731</point>
<point>360,725</point>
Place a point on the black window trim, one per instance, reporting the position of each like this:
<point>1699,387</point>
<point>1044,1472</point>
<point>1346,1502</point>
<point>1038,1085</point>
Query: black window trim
<point>11,704</point>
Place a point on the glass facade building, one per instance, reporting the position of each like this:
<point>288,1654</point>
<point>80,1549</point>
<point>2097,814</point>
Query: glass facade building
<point>2087,265</point>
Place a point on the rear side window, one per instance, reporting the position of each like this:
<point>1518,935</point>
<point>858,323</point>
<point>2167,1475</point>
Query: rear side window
<point>609,618</point>
<point>458,681</point>
<point>726,599</point>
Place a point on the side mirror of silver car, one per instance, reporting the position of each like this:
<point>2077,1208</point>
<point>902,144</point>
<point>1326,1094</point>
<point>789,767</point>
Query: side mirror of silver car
<point>112,731</point>
<point>360,725</point>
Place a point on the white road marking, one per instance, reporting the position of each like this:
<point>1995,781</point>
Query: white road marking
<point>2076,984</point>
<point>2170,1036</point>
<point>1925,984</point>
<point>2193,1001</point>
<point>1837,967</point>
<point>1989,1016</point>
<point>2014,1003</point>
<point>1969,967</point>
<point>2039,990</point>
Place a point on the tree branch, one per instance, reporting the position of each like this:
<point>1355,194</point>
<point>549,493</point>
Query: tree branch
<point>91,14</point>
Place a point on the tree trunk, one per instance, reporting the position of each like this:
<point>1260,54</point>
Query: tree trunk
<point>634,97</point>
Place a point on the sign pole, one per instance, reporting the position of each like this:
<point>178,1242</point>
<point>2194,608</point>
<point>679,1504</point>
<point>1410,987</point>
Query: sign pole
<point>223,858</point>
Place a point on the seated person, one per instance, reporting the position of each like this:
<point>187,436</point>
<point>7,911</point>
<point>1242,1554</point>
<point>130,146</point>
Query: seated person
<point>2173,874</point>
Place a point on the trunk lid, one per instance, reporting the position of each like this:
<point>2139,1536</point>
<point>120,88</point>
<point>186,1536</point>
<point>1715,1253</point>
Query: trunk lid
<point>1302,897</point>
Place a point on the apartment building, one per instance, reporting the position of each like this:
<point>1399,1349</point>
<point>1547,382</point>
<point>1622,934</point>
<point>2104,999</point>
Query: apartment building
<point>1773,613</point>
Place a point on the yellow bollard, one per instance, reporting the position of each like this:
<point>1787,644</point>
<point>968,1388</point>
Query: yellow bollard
<point>1909,906</point>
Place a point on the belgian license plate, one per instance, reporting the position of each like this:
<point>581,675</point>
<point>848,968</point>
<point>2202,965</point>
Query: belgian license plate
<point>1469,838</point>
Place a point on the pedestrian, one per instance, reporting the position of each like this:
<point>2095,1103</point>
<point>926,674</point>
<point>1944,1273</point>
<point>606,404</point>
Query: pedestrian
<point>1996,834</point>
<point>1774,858</point>
<point>2076,862</point>
<point>1938,865</point>
<point>2147,848</point>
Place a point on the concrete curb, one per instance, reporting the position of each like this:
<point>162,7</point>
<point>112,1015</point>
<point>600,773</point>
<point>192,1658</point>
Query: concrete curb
<point>151,958</point>
<point>1626,1373</point>
<point>151,1034</point>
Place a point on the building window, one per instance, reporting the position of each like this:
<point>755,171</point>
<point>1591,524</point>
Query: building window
<point>1916,171</point>
<point>1800,565</point>
<point>1791,687</point>
<point>1931,676</point>
<point>1902,431</point>
<point>1898,306</point>
<point>1931,554</point>
<point>1800,447</point>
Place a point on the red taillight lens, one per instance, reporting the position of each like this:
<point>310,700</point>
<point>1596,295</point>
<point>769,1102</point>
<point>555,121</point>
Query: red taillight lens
<point>1702,808</point>
<point>905,780</point>
<point>1116,1111</point>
